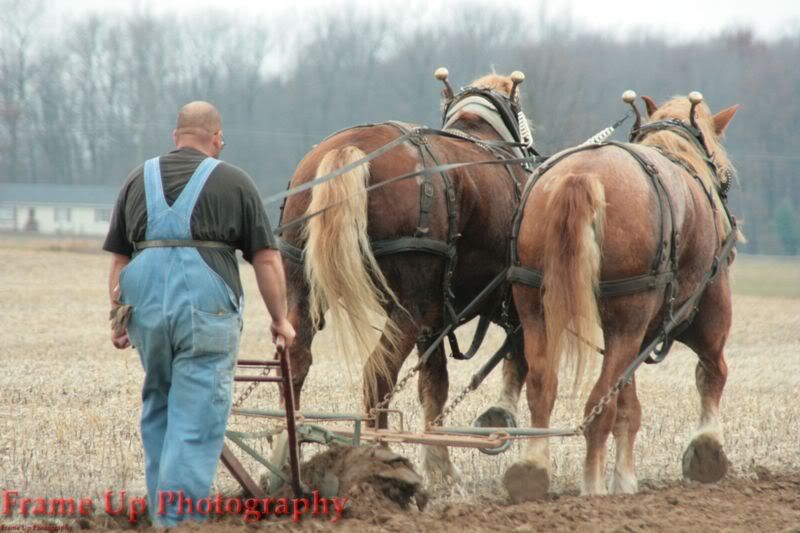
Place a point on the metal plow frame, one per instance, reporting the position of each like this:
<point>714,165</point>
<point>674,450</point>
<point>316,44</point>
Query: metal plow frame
<point>237,470</point>
<point>307,427</point>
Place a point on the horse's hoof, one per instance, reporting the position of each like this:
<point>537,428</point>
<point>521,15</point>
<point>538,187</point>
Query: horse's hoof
<point>496,417</point>
<point>438,468</point>
<point>705,460</point>
<point>624,485</point>
<point>526,482</point>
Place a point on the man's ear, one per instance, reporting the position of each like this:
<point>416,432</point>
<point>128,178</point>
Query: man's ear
<point>175,137</point>
<point>723,118</point>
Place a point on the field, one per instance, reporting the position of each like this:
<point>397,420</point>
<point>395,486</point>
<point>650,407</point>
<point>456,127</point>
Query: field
<point>69,408</point>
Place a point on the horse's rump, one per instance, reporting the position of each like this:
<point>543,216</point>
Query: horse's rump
<point>605,191</point>
<point>342,273</point>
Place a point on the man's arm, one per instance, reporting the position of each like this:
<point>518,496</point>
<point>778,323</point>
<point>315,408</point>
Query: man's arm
<point>118,262</point>
<point>268,266</point>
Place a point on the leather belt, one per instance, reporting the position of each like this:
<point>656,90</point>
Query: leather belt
<point>174,243</point>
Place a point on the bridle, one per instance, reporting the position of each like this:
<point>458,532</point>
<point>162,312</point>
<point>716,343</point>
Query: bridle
<point>694,135</point>
<point>508,109</point>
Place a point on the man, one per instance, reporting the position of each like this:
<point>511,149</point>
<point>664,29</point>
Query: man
<point>181,217</point>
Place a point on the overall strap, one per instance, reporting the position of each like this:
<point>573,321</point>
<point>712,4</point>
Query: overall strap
<point>153,189</point>
<point>184,205</point>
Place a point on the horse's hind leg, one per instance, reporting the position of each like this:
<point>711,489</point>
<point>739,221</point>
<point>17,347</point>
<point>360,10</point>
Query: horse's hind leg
<point>300,353</point>
<point>515,370</point>
<point>380,376</point>
<point>433,387</point>
<point>626,425</point>
<point>620,350</point>
<point>529,479</point>
<point>704,459</point>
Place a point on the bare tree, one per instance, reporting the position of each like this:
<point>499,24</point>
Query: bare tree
<point>18,19</point>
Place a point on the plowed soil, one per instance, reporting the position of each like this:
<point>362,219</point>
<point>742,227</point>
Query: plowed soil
<point>69,417</point>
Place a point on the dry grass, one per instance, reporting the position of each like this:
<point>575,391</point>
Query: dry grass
<point>69,402</point>
<point>767,276</point>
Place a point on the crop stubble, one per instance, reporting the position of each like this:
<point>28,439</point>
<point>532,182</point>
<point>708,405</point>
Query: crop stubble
<point>69,402</point>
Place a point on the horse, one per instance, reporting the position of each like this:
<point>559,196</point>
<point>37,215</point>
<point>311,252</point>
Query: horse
<point>593,223</point>
<point>332,263</point>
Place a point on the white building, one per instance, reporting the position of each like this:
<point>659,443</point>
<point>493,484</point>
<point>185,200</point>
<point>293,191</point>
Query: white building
<point>51,209</point>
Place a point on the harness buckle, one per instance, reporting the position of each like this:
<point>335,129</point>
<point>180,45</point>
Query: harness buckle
<point>715,266</point>
<point>421,232</point>
<point>418,138</point>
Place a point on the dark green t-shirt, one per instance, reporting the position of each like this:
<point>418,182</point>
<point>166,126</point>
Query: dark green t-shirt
<point>229,209</point>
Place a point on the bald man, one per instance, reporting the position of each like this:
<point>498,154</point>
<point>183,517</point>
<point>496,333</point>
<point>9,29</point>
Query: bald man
<point>180,217</point>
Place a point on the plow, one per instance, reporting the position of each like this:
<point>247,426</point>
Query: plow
<point>294,428</point>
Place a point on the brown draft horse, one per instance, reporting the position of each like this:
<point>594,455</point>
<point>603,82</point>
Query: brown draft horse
<point>594,216</point>
<point>341,275</point>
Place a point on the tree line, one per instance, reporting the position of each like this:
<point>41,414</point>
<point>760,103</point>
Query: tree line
<point>87,102</point>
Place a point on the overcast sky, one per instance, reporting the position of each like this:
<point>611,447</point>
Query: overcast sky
<point>684,19</point>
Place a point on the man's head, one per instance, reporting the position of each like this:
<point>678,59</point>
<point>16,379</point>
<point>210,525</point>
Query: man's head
<point>199,126</point>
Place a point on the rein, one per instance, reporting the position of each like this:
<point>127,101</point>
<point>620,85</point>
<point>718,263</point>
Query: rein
<point>415,133</point>
<point>433,169</point>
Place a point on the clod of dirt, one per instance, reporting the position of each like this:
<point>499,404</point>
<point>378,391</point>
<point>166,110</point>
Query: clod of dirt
<point>763,473</point>
<point>374,479</point>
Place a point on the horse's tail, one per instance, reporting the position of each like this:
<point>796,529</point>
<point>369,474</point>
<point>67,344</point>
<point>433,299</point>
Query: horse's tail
<point>341,270</point>
<point>574,219</point>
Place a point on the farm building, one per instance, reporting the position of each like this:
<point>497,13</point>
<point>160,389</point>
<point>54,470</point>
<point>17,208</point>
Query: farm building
<point>55,209</point>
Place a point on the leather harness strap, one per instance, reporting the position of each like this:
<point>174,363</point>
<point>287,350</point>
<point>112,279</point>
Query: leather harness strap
<point>382,247</point>
<point>423,229</point>
<point>176,243</point>
<point>416,131</point>
<point>420,242</point>
<point>412,244</point>
<point>662,274</point>
<point>665,265</point>
<point>533,278</point>
<point>425,191</point>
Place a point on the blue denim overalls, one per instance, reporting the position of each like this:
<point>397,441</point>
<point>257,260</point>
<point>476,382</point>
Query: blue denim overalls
<point>186,324</point>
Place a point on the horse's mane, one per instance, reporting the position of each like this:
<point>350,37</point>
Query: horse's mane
<point>494,82</point>
<point>678,107</point>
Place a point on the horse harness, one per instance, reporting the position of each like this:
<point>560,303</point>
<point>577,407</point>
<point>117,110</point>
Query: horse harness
<point>663,272</point>
<point>504,151</point>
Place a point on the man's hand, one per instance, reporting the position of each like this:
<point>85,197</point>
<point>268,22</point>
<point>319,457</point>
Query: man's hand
<point>120,342</point>
<point>282,333</point>
<point>119,338</point>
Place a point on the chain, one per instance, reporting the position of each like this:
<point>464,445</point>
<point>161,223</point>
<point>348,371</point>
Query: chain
<point>249,390</point>
<point>452,406</point>
<point>400,385</point>
<point>600,406</point>
<point>596,411</point>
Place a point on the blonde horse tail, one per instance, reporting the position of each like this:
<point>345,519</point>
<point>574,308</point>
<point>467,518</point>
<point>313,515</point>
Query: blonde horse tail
<point>574,218</point>
<point>343,275</point>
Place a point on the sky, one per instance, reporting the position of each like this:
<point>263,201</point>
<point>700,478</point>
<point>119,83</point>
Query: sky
<point>679,19</point>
